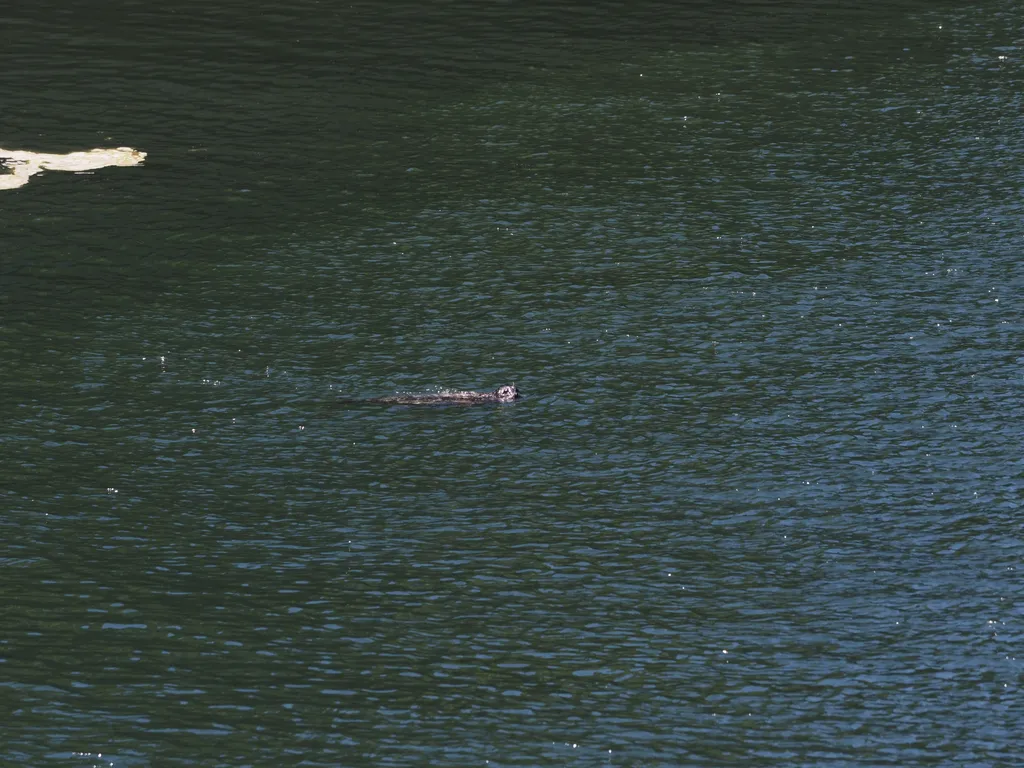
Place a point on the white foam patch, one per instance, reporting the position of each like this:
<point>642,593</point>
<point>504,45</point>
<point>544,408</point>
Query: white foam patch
<point>23,165</point>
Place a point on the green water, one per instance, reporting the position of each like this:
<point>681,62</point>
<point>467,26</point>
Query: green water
<point>756,270</point>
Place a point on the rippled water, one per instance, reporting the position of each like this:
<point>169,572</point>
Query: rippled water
<point>757,274</point>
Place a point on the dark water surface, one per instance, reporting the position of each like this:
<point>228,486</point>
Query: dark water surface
<point>756,268</point>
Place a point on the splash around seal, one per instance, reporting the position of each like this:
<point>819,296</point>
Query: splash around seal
<point>504,394</point>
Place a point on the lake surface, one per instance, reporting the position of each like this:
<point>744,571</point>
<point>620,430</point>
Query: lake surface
<point>756,269</point>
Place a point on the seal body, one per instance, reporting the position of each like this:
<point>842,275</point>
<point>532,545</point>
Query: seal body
<point>505,394</point>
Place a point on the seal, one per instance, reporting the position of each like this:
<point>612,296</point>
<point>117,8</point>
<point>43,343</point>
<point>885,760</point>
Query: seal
<point>505,394</point>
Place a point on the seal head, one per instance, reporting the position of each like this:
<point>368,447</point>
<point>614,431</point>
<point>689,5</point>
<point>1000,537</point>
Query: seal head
<point>507,393</point>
